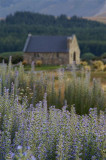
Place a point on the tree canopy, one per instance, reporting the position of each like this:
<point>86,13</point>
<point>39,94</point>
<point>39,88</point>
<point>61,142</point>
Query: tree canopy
<point>88,56</point>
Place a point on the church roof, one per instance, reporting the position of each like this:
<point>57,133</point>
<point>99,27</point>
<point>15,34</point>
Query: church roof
<point>46,44</point>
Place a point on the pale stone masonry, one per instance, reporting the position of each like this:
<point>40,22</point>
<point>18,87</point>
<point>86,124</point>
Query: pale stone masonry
<point>53,50</point>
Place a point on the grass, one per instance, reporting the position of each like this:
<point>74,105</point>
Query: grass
<point>99,75</point>
<point>8,54</point>
<point>75,87</point>
<point>43,68</point>
<point>102,77</point>
<point>47,68</point>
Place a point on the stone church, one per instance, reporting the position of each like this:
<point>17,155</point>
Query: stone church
<point>53,50</point>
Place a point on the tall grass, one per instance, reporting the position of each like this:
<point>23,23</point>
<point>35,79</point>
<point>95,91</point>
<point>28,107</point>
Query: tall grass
<point>60,87</point>
<point>83,94</point>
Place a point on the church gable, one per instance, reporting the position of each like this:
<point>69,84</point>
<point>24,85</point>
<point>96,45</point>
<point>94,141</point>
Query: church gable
<point>74,51</point>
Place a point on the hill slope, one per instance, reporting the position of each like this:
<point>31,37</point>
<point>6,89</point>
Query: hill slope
<point>55,7</point>
<point>100,18</point>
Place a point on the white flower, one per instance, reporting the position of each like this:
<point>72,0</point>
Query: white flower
<point>33,158</point>
<point>19,147</point>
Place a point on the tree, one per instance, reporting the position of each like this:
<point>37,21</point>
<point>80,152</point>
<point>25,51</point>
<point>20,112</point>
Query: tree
<point>88,56</point>
<point>103,55</point>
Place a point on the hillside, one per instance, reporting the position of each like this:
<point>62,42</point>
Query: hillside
<point>15,29</point>
<point>101,18</point>
<point>55,7</point>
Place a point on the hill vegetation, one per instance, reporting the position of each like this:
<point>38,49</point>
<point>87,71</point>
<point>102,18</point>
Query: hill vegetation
<point>15,28</point>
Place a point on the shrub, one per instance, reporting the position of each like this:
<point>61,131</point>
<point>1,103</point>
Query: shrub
<point>87,68</point>
<point>103,55</point>
<point>88,57</point>
<point>1,59</point>
<point>24,62</point>
<point>105,67</point>
<point>98,65</point>
<point>5,59</point>
<point>16,59</point>
<point>83,63</point>
<point>38,63</point>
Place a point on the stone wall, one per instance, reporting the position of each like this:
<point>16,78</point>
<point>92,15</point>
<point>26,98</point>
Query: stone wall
<point>74,49</point>
<point>47,58</point>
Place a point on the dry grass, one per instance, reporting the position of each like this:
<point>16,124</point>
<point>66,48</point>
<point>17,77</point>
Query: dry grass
<point>104,87</point>
<point>97,75</point>
<point>98,19</point>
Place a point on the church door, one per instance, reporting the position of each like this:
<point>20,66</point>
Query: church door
<point>74,58</point>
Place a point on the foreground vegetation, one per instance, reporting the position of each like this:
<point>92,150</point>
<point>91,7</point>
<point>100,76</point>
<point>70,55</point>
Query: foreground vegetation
<point>37,133</point>
<point>60,86</point>
<point>48,115</point>
<point>15,29</point>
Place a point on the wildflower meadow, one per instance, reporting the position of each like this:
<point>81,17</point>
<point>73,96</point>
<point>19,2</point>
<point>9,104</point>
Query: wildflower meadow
<point>51,116</point>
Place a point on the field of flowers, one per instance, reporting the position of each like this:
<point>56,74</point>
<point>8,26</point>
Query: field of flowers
<point>42,116</point>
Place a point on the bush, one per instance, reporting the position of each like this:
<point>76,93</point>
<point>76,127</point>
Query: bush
<point>6,59</point>
<point>105,67</point>
<point>1,59</point>
<point>103,58</point>
<point>38,63</point>
<point>98,65</point>
<point>83,63</point>
<point>16,59</point>
<point>88,57</point>
<point>87,68</point>
<point>103,55</point>
<point>24,62</point>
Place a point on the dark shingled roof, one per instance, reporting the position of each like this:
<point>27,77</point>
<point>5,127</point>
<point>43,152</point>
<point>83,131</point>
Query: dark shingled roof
<point>46,44</point>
